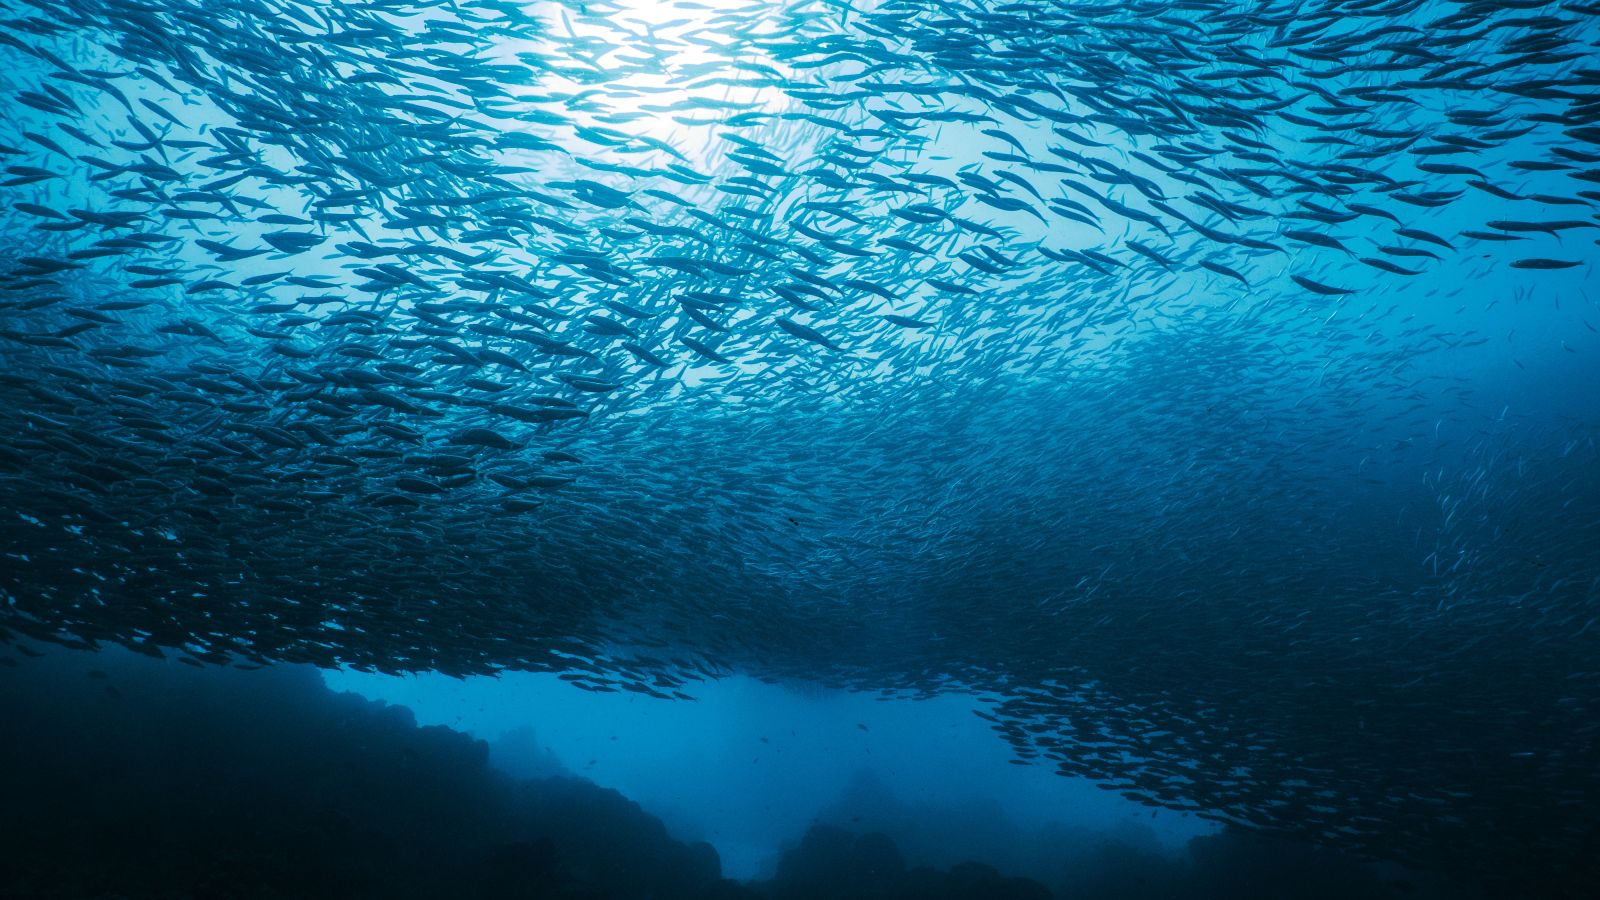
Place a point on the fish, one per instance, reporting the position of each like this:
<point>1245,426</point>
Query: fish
<point>1542,263</point>
<point>1317,287</point>
<point>453,336</point>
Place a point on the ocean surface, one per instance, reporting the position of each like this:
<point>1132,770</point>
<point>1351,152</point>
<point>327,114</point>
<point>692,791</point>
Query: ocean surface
<point>799,449</point>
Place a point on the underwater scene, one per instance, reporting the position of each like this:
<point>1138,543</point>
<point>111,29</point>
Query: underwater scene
<point>784,449</point>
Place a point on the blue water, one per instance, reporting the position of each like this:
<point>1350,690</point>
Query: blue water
<point>1173,425</point>
<point>749,766</point>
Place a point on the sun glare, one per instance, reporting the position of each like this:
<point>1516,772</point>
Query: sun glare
<point>643,75</point>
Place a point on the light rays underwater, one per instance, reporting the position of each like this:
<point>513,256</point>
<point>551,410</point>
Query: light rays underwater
<point>1209,389</point>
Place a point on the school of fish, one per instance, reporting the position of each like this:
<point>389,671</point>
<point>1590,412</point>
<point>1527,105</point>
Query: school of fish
<point>1209,384</point>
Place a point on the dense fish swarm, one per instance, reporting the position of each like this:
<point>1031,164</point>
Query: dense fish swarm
<point>1210,384</point>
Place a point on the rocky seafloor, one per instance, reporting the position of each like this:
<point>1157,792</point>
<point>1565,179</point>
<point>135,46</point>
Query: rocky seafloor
<point>130,778</point>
